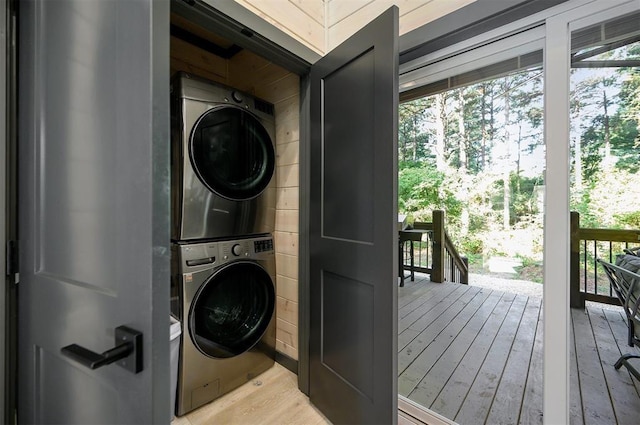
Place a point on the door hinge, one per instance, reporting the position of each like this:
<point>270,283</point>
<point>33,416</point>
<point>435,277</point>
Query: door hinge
<point>12,259</point>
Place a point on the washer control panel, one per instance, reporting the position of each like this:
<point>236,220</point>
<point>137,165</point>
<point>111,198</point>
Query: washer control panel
<point>201,256</point>
<point>264,245</point>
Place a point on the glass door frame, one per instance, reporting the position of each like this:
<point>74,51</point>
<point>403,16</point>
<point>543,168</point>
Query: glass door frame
<point>552,29</point>
<point>557,230</point>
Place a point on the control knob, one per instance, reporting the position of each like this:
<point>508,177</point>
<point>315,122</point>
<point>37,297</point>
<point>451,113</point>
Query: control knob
<point>237,97</point>
<point>236,250</point>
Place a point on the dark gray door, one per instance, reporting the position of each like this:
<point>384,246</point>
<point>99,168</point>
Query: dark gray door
<point>94,207</point>
<point>353,227</point>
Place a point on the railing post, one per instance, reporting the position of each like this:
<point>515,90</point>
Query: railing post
<point>437,275</point>
<point>464,275</point>
<point>575,297</point>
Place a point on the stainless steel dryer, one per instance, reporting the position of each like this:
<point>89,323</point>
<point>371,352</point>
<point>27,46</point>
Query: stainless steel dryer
<point>223,161</point>
<point>224,295</point>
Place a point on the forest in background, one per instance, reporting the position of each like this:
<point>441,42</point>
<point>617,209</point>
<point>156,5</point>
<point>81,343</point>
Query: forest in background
<point>477,152</point>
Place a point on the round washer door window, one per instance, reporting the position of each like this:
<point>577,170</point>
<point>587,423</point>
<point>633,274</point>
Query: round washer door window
<point>232,153</point>
<point>232,310</point>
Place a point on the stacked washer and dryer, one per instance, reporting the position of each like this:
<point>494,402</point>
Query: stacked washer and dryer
<point>223,213</point>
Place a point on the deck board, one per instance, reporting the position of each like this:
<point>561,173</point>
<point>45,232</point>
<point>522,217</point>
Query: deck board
<point>478,401</point>
<point>575,401</point>
<point>596,405</point>
<point>618,324</point>
<point>422,320</point>
<point>505,408</point>
<point>431,348</point>
<point>428,389</point>
<point>531,410</point>
<point>475,355</point>
<point>436,320</point>
<point>448,402</point>
<point>623,394</point>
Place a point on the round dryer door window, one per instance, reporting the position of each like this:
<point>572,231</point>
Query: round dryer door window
<point>232,310</point>
<point>232,153</point>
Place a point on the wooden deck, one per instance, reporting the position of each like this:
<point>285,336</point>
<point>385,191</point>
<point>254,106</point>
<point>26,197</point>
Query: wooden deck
<point>475,356</point>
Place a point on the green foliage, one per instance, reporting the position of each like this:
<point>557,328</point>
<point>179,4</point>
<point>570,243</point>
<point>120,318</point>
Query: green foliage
<point>421,190</point>
<point>629,220</point>
<point>610,200</point>
<point>457,146</point>
<point>471,245</point>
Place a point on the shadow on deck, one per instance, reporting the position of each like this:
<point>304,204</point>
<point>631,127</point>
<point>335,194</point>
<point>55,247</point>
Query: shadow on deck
<point>474,355</point>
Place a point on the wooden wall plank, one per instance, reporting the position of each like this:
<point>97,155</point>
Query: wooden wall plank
<point>288,131</point>
<point>344,18</point>
<point>287,338</point>
<point>287,310</point>
<point>288,154</point>
<point>412,19</point>
<point>288,176</point>
<point>289,333</point>
<point>288,198</point>
<point>289,108</point>
<point>340,10</point>
<point>313,8</point>
<point>286,243</point>
<point>287,221</point>
<point>284,348</point>
<point>287,288</point>
<point>287,265</point>
<point>290,19</point>
<point>179,65</point>
<point>250,81</point>
<point>279,90</point>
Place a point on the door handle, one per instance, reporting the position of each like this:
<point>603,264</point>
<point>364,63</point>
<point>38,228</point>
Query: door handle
<point>127,352</point>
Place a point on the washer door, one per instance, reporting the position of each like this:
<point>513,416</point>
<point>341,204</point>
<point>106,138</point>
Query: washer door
<point>232,310</point>
<point>232,153</point>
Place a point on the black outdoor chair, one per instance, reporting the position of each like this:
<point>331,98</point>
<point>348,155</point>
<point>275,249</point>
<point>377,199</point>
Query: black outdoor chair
<point>625,281</point>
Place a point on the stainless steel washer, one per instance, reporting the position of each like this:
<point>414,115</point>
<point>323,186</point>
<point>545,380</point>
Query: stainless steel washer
<point>224,296</point>
<point>223,161</point>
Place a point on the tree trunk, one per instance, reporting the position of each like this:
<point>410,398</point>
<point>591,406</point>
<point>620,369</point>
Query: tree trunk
<point>577,152</point>
<point>505,163</point>
<point>441,116</point>
<point>518,158</point>
<point>462,153</point>
<point>462,140</point>
<point>607,130</point>
<point>483,128</point>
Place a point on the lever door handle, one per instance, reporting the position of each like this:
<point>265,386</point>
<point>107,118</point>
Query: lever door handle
<point>127,352</point>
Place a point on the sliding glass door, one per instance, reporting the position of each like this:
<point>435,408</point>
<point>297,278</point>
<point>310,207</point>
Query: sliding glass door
<point>500,134</point>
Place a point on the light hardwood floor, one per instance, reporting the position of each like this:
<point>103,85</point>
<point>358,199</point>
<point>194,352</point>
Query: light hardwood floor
<point>271,398</point>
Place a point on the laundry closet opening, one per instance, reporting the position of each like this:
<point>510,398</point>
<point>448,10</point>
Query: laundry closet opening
<point>199,52</point>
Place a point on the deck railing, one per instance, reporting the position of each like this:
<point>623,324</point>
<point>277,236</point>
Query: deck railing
<point>434,253</point>
<point>588,282</point>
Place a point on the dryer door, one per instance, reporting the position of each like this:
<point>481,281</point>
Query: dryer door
<point>232,310</point>
<point>232,153</point>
